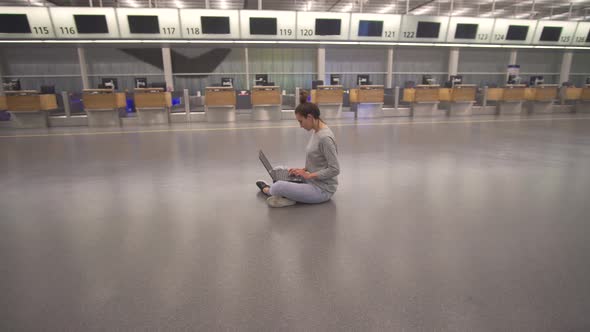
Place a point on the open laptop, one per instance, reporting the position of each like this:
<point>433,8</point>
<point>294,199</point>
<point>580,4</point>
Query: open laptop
<point>278,174</point>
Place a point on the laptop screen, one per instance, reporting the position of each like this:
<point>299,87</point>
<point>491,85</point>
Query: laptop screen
<point>264,161</point>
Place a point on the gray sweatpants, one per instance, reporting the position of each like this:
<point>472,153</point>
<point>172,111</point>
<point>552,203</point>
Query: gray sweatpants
<point>299,192</point>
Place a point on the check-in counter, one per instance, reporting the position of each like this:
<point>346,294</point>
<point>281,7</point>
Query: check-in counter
<point>458,100</point>
<point>583,105</point>
<point>513,96</point>
<point>267,103</point>
<point>102,107</point>
<point>3,106</point>
<point>152,105</point>
<point>220,104</point>
<point>29,109</point>
<point>423,98</point>
<point>367,101</point>
<point>540,99</point>
<point>329,99</point>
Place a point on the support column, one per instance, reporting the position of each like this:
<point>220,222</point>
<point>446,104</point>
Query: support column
<point>389,79</point>
<point>511,61</point>
<point>83,68</point>
<point>1,79</point>
<point>321,63</point>
<point>167,60</point>
<point>453,61</point>
<point>247,68</point>
<point>566,66</point>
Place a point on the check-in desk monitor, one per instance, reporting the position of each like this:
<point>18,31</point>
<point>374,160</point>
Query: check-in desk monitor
<point>110,83</point>
<point>260,79</point>
<point>362,79</point>
<point>334,79</point>
<point>141,82</point>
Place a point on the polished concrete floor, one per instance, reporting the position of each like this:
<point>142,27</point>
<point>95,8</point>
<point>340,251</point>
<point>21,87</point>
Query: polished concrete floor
<point>466,224</point>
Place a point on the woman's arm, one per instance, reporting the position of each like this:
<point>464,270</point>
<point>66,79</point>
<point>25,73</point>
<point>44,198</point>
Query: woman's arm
<point>328,148</point>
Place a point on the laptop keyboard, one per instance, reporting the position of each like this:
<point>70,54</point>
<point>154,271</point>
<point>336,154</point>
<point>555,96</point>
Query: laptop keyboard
<point>282,175</point>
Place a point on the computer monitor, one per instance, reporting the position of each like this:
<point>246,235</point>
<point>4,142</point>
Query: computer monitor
<point>327,26</point>
<point>314,84</point>
<point>260,79</point>
<point>47,89</point>
<point>428,29</point>
<point>334,79</point>
<point>110,83</point>
<point>456,79</point>
<point>587,80</point>
<point>513,79</point>
<point>218,25</point>
<point>141,83</point>
<point>143,24</point>
<point>263,26</point>
<point>11,85</point>
<point>536,80</point>
<point>14,23</point>
<point>466,31</point>
<point>158,85</point>
<point>362,79</point>
<point>550,34</point>
<point>517,32</point>
<point>370,28</point>
<point>227,81</point>
<point>428,80</point>
<point>91,24</point>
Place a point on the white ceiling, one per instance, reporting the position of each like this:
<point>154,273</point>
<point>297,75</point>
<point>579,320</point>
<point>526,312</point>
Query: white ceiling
<point>536,9</point>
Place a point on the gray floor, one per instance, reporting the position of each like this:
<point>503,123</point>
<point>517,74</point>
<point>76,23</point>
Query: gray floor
<point>467,224</point>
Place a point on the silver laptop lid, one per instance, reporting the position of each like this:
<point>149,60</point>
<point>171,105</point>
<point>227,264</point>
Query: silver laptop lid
<point>264,161</point>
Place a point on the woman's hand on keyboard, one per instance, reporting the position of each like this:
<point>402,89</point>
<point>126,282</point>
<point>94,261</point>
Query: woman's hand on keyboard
<point>297,171</point>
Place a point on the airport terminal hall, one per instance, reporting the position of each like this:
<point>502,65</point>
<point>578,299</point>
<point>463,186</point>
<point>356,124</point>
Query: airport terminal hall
<point>295,165</point>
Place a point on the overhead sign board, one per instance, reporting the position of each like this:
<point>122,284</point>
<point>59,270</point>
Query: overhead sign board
<point>377,27</point>
<point>76,23</point>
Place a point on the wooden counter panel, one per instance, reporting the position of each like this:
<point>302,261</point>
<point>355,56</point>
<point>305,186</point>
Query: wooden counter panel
<point>220,98</point>
<point>104,100</point>
<point>266,97</point>
<point>154,99</point>
<point>17,103</point>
